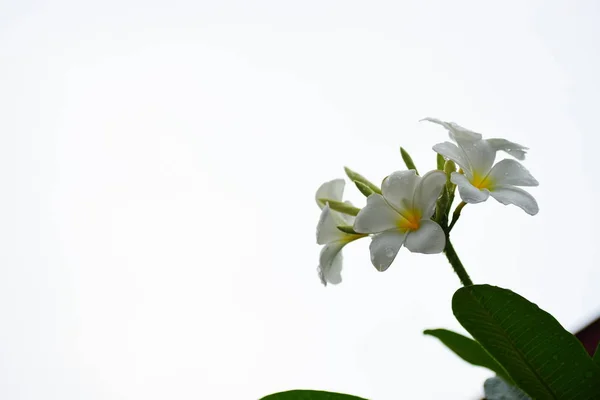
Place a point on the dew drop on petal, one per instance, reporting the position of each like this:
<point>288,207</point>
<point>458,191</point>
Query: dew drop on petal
<point>389,252</point>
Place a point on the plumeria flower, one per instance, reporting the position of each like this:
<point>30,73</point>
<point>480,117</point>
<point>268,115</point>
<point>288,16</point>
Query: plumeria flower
<point>481,178</point>
<point>458,133</point>
<point>328,234</point>
<point>401,216</point>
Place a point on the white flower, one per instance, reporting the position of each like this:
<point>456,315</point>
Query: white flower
<point>481,177</point>
<point>330,259</point>
<point>457,132</point>
<point>401,216</point>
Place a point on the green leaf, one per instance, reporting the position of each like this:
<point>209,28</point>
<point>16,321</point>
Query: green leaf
<point>541,357</point>
<point>356,177</point>
<point>310,395</point>
<point>497,389</point>
<point>597,354</point>
<point>469,350</point>
<point>408,160</point>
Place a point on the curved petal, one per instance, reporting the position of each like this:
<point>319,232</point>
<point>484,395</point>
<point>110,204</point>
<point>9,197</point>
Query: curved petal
<point>377,216</point>
<point>514,149</point>
<point>456,131</point>
<point>451,152</point>
<point>428,191</point>
<point>327,230</point>
<point>513,195</point>
<point>384,248</point>
<point>468,192</point>
<point>479,154</point>
<point>333,190</point>
<point>330,263</point>
<point>437,121</point>
<point>428,239</point>
<point>398,189</point>
<point>511,172</point>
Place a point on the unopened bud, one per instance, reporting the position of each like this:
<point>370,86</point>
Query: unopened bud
<point>408,160</point>
<point>347,229</point>
<point>440,162</point>
<point>356,177</point>
<point>341,207</point>
<point>364,189</point>
<point>449,168</point>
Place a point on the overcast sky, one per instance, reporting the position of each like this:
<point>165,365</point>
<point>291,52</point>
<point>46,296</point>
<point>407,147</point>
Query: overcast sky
<point>159,160</point>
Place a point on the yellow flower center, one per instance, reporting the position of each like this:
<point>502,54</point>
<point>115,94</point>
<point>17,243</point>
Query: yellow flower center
<point>409,220</point>
<point>482,181</point>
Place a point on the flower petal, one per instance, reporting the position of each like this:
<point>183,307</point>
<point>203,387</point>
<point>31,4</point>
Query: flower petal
<point>468,192</point>
<point>511,172</point>
<point>479,154</point>
<point>327,230</point>
<point>456,131</point>
<point>333,190</point>
<point>428,239</point>
<point>377,216</point>
<point>398,189</point>
<point>330,263</point>
<point>428,191</point>
<point>513,195</point>
<point>452,152</point>
<point>514,149</point>
<point>384,248</point>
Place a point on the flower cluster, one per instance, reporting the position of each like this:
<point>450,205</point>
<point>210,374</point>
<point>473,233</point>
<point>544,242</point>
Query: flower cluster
<point>411,210</point>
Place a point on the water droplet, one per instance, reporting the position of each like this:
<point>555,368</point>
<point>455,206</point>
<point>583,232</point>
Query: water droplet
<point>372,257</point>
<point>555,357</point>
<point>589,374</point>
<point>389,252</point>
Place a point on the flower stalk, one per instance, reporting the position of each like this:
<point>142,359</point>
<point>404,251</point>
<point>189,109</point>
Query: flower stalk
<point>456,215</point>
<point>456,263</point>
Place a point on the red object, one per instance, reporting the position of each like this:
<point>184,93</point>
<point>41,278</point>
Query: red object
<point>590,336</point>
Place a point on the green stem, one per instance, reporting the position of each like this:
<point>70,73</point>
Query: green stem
<point>456,264</point>
<point>456,215</point>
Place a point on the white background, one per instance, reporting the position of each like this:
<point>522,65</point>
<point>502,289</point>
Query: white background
<point>158,162</point>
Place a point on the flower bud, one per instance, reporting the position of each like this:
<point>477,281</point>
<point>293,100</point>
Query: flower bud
<point>355,177</point>
<point>408,160</point>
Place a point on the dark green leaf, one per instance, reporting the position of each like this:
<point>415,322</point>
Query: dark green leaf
<point>310,395</point>
<point>541,357</point>
<point>468,349</point>
<point>597,355</point>
<point>497,389</point>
